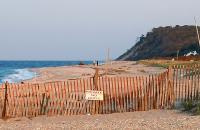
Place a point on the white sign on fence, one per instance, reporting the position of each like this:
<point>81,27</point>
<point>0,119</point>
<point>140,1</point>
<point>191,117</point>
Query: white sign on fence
<point>93,95</point>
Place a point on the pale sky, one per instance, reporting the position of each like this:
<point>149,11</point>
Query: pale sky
<point>83,29</point>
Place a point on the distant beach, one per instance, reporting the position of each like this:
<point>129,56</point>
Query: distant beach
<point>116,68</point>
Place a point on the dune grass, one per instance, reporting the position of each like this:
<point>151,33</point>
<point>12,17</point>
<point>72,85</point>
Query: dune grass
<point>192,106</point>
<point>165,63</point>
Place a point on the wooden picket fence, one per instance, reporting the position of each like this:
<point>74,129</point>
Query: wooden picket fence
<point>186,82</point>
<point>121,94</point>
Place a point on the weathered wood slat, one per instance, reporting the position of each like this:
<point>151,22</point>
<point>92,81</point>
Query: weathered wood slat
<point>198,81</point>
<point>111,95</point>
<point>136,93</point>
<point>116,81</point>
<point>102,102</point>
<point>114,94</point>
<point>123,94</point>
<point>195,82</point>
<point>130,91</point>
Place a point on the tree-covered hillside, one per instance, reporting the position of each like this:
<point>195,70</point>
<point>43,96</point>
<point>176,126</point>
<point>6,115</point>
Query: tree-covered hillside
<point>164,42</point>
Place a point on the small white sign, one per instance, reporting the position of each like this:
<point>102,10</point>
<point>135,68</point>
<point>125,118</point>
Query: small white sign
<point>93,95</point>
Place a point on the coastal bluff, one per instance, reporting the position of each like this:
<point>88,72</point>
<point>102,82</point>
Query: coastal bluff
<point>164,42</point>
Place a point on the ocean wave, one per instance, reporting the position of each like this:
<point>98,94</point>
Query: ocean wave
<point>19,75</point>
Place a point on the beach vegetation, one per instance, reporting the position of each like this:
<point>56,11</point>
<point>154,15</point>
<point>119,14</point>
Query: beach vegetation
<point>192,106</point>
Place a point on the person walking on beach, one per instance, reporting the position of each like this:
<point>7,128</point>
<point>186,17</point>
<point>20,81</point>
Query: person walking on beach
<point>97,63</point>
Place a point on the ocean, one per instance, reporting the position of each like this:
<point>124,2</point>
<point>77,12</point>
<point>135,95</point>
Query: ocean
<point>16,71</point>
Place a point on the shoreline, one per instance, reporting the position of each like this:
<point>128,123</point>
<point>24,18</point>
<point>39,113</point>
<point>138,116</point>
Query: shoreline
<point>20,75</point>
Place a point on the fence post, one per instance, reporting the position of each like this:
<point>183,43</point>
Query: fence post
<point>171,86</point>
<point>95,78</point>
<point>5,100</point>
<point>95,83</point>
<point>42,105</point>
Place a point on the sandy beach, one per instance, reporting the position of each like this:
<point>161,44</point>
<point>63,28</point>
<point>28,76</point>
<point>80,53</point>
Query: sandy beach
<point>150,120</point>
<point>116,68</point>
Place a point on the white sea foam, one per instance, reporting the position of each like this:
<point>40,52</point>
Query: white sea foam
<point>19,75</point>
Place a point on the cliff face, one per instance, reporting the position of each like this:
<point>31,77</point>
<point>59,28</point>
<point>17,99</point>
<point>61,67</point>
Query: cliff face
<point>164,42</point>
